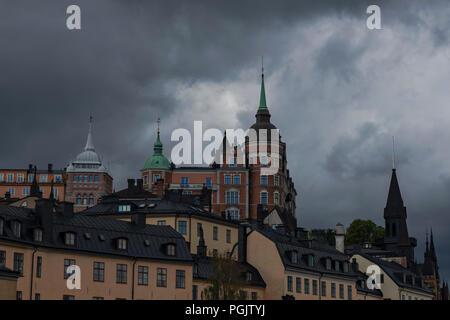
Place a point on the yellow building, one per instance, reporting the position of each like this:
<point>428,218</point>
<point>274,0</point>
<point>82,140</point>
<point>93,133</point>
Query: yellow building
<point>8,282</point>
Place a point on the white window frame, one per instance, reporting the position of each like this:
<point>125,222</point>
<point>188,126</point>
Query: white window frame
<point>43,178</point>
<point>276,198</point>
<point>10,177</point>
<point>20,177</point>
<point>261,179</point>
<point>261,197</point>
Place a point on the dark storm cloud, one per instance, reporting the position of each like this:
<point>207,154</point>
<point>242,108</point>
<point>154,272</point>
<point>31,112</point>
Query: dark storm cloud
<point>337,91</point>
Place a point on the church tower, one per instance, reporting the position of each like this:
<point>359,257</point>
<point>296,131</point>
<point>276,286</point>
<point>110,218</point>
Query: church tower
<point>430,269</point>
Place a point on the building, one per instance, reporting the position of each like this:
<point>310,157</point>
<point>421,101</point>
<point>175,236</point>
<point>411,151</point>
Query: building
<point>117,259</point>
<point>8,282</point>
<point>236,189</point>
<point>220,233</point>
<point>87,179</point>
<point>430,269</point>
<point>16,183</point>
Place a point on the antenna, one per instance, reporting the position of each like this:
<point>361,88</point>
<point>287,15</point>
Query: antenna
<point>393,153</point>
<point>262,65</point>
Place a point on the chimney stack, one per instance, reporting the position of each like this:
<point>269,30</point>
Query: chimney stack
<point>340,237</point>
<point>242,242</point>
<point>140,184</point>
<point>131,184</point>
<point>50,167</point>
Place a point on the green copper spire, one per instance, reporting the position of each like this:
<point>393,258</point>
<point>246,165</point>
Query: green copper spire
<point>262,99</point>
<point>158,147</point>
<point>157,160</point>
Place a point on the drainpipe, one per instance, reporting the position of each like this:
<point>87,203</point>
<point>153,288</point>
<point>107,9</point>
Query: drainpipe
<point>132,284</point>
<point>32,272</point>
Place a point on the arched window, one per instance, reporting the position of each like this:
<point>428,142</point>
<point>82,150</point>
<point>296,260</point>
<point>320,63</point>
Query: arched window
<point>78,198</point>
<point>85,199</point>
<point>276,198</point>
<point>91,199</point>
<point>233,213</point>
<point>263,197</point>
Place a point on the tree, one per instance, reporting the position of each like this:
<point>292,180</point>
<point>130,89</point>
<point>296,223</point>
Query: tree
<point>225,282</point>
<point>323,235</point>
<point>361,231</point>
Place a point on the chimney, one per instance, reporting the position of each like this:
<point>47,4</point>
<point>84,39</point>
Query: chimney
<point>65,209</point>
<point>140,184</point>
<point>355,265</point>
<point>301,234</point>
<point>242,242</point>
<point>131,184</point>
<point>201,247</point>
<point>30,168</point>
<point>44,211</point>
<point>340,237</point>
<point>50,167</point>
<point>138,219</point>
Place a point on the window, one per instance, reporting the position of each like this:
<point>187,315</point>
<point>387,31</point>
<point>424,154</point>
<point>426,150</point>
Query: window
<point>341,291</point>
<point>156,177</point>
<point>184,181</point>
<point>345,266</point>
<point>170,249</point>
<point>276,180</point>
<point>180,279</point>
<point>91,199</point>
<point>2,177</point>
<point>78,198</point>
<point>68,297</point>
<point>67,263</point>
<point>161,222</point>
<point>298,285</point>
<point>19,295</point>
<point>228,179</point>
<point>254,295</point>
<point>55,193</point>
<point>125,208</point>
<point>75,178</point>
<point>2,224</point>
<point>37,235</point>
<point>43,178</point>
<point>289,283</point>
<point>91,178</point>
<point>145,179</point>
<point>314,283</point>
<point>232,162</point>
<point>38,266</point>
<point>69,239</point>
<point>2,258</point>
<point>85,178</point>
<point>11,191</point>
<point>96,178</point>
<point>194,292</point>
<point>294,257</point>
<point>17,228</point>
<point>121,273</point>
<point>232,197</point>
<point>58,178</point>
<point>249,276</point>
<point>237,179</point>
<point>142,275</point>
<point>20,177</point>
<point>349,292</point>
<point>10,177</point>
<point>324,289</point>
<point>161,277</point>
<point>228,236</point>
<point>98,298</point>
<point>233,214</point>
<point>336,265</point>
<point>263,197</point>
<point>306,286</point>
<point>276,198</point>
<point>333,290</point>
<point>328,264</point>
<point>18,262</point>
<point>84,199</point>
<point>215,233</point>
<point>25,191</point>
<point>263,179</point>
<point>99,271</point>
<point>37,296</point>
<point>182,227</point>
<point>310,260</point>
<point>208,182</point>
<point>122,244</point>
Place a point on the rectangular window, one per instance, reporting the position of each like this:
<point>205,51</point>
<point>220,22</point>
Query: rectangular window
<point>161,277</point>
<point>67,263</point>
<point>263,179</point>
<point>276,180</point>
<point>208,182</point>
<point>145,179</point>
<point>68,297</point>
<point>11,191</point>
<point>232,197</point>
<point>276,198</point>
<point>289,283</point>
<point>263,197</point>
<point>58,178</point>
<point>10,177</point>
<point>237,179</point>
<point>99,271</point>
<point>19,295</point>
<point>324,289</point>
<point>121,274</point>
<point>142,275</point>
<point>349,292</point>
<point>314,283</point>
<point>215,233</point>
<point>38,267</point>
<point>55,193</point>
<point>25,191</point>
<point>2,177</point>
<point>37,296</point>
<point>184,181</point>
<point>75,178</point>
<point>98,298</point>
<point>194,292</point>
<point>306,286</point>
<point>298,285</point>
<point>20,177</point>
<point>43,178</point>
<point>341,291</point>
<point>2,258</point>
<point>180,279</point>
<point>17,229</point>
<point>182,227</point>
<point>161,223</point>
<point>228,236</point>
<point>156,177</point>
<point>18,262</point>
<point>227,179</point>
<point>70,239</point>
<point>333,290</point>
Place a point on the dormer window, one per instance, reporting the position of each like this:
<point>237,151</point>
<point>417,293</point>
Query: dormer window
<point>249,276</point>
<point>336,265</point>
<point>69,239</point>
<point>37,235</point>
<point>17,228</point>
<point>346,266</point>
<point>294,256</point>
<point>170,249</point>
<point>122,244</point>
<point>124,208</point>
<point>328,264</point>
<point>310,260</point>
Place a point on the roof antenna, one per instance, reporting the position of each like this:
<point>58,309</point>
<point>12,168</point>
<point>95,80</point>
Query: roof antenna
<point>393,153</point>
<point>158,121</point>
<point>262,65</point>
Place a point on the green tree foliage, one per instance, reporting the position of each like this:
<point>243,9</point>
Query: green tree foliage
<point>225,283</point>
<point>323,235</point>
<point>361,231</point>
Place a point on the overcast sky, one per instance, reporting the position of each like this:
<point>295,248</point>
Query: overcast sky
<point>337,91</point>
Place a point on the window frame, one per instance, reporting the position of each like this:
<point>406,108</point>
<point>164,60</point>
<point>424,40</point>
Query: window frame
<point>180,279</point>
<point>121,273</point>
<point>99,271</point>
<point>161,277</point>
<point>143,275</point>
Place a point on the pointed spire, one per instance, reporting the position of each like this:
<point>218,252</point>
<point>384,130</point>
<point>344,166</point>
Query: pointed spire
<point>158,147</point>
<point>34,189</point>
<point>262,98</point>
<point>51,196</point>
<point>426,243</point>
<point>89,142</point>
<point>432,250</point>
<point>394,197</point>
<point>393,153</point>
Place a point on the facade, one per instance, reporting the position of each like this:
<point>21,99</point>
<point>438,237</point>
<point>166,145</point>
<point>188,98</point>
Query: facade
<point>16,183</point>
<point>117,259</point>
<point>87,179</point>
<point>8,283</point>
<point>236,189</point>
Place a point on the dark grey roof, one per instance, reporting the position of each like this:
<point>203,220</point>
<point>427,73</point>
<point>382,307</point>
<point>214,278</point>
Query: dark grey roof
<point>145,241</point>
<point>5,272</point>
<point>205,269</point>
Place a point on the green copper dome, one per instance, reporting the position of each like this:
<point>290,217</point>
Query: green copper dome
<point>157,160</point>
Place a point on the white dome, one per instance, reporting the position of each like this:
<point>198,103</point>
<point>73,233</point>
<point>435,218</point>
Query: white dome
<point>88,156</point>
